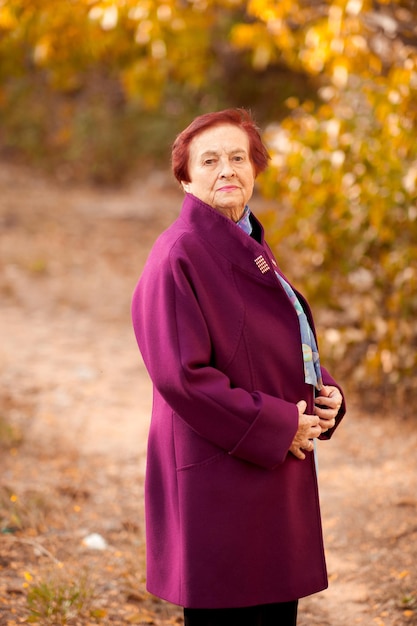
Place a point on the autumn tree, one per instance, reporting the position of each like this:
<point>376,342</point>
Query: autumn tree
<point>345,169</point>
<point>92,84</point>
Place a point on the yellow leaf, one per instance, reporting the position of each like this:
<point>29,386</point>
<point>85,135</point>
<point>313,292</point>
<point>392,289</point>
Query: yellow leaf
<point>98,613</point>
<point>7,20</point>
<point>142,617</point>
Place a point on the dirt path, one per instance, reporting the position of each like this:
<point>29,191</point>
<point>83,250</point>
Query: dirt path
<point>74,388</point>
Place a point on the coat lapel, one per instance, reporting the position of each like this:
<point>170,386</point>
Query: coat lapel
<point>228,239</point>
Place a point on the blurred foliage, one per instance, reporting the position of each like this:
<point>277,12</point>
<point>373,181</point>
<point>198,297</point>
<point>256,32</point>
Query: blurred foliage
<point>88,88</point>
<point>93,87</point>
<point>345,170</point>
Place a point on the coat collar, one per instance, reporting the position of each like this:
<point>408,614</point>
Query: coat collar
<point>227,238</point>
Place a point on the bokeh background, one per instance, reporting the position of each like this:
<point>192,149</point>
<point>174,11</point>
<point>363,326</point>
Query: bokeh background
<point>92,95</point>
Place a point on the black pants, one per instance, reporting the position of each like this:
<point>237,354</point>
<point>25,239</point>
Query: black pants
<point>281,614</point>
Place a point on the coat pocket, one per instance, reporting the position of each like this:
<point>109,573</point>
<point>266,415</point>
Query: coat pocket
<point>191,449</point>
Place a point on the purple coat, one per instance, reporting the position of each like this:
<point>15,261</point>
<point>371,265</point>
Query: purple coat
<point>232,518</point>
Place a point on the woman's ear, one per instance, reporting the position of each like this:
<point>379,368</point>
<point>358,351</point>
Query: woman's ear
<point>185,185</point>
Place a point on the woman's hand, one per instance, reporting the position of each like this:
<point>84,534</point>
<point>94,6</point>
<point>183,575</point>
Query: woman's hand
<point>327,406</point>
<point>308,429</point>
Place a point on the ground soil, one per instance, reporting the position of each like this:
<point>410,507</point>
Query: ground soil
<point>74,411</point>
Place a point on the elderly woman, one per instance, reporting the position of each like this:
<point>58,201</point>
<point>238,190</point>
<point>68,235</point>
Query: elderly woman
<point>232,509</point>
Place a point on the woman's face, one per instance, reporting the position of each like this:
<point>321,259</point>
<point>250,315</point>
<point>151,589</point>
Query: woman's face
<point>220,169</point>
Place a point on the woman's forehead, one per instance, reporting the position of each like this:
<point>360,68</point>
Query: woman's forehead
<point>216,139</point>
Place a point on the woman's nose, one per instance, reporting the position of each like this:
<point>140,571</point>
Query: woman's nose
<point>226,169</point>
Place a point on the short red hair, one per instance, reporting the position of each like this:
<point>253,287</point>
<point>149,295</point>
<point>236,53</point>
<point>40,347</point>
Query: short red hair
<point>236,117</point>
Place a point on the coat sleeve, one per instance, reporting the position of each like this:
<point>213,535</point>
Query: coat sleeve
<point>173,338</point>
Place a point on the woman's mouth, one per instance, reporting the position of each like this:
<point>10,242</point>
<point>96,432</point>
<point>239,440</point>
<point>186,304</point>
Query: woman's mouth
<point>228,188</point>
